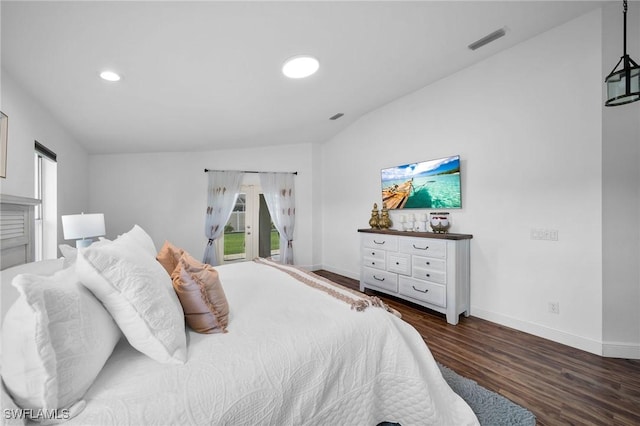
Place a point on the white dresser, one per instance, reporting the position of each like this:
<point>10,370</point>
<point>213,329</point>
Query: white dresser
<point>429,269</point>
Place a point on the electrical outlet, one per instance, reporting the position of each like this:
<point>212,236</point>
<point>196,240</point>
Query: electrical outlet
<point>554,307</point>
<point>544,234</point>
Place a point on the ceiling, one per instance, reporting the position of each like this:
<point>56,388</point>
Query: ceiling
<point>206,75</point>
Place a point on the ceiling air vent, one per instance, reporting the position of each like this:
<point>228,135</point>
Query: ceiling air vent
<point>487,39</point>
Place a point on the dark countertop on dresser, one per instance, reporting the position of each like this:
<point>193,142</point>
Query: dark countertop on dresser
<point>441,236</point>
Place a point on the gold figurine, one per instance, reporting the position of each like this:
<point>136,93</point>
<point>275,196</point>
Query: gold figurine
<point>385,220</point>
<point>374,222</point>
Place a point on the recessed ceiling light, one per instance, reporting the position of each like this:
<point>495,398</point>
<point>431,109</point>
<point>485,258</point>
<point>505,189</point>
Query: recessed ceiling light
<point>109,76</point>
<point>300,66</point>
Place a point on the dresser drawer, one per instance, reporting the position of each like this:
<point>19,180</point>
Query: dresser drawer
<point>431,263</point>
<point>424,291</point>
<point>429,275</point>
<point>399,263</point>
<point>424,247</point>
<point>374,253</point>
<point>380,241</point>
<point>377,262</point>
<point>381,279</point>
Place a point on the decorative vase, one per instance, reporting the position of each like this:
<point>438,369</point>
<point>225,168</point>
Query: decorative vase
<point>439,222</point>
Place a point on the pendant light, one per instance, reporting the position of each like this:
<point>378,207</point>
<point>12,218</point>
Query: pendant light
<point>623,86</point>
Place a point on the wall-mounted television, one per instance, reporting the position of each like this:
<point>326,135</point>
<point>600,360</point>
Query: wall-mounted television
<point>433,184</point>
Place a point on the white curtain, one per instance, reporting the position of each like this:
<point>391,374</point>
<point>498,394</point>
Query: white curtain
<point>278,190</point>
<point>222,192</point>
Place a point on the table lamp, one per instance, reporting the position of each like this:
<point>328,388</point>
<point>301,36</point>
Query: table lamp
<point>83,227</point>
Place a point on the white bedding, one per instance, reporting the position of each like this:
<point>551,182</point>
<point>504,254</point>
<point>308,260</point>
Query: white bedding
<point>293,355</point>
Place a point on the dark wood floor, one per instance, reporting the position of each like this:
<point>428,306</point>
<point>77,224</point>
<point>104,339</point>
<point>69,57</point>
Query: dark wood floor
<point>559,384</point>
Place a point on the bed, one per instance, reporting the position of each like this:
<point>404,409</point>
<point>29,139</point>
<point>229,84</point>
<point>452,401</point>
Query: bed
<point>296,349</point>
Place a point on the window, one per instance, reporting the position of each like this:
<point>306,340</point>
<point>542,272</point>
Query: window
<point>46,213</point>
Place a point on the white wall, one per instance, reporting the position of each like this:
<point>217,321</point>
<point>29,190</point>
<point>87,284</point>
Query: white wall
<point>621,197</point>
<point>165,193</point>
<point>28,122</point>
<point>527,125</point>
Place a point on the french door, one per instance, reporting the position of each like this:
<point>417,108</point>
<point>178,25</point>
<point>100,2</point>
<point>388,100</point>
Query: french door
<point>46,213</point>
<point>249,233</point>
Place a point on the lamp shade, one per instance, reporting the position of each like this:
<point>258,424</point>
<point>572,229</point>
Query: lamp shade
<point>78,226</point>
<point>619,90</point>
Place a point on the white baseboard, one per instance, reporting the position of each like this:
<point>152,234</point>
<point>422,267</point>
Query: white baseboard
<point>341,272</point>
<point>310,267</point>
<point>605,349</point>
<point>621,350</point>
<point>539,330</point>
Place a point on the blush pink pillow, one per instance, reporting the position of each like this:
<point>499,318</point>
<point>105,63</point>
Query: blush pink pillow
<point>201,294</point>
<point>169,256</point>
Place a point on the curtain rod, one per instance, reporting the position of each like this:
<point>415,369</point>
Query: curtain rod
<point>247,171</point>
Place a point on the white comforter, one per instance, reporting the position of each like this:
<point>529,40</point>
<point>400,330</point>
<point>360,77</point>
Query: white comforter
<point>293,355</point>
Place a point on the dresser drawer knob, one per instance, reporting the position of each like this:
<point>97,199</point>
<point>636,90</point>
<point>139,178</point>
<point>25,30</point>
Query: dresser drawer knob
<point>421,291</point>
<point>378,279</point>
<point>379,242</point>
<point>428,275</point>
<point>373,263</point>
<point>420,248</point>
<point>428,263</point>
<point>373,253</point>
<point>397,263</point>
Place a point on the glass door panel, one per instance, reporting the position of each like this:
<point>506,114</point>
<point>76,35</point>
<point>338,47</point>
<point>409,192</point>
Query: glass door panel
<point>250,233</point>
<point>269,244</point>
<point>234,232</point>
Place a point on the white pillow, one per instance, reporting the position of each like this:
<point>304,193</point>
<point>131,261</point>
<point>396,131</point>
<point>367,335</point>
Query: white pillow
<point>69,254</point>
<point>9,293</point>
<point>56,339</point>
<point>7,403</point>
<point>138,293</point>
<point>141,238</point>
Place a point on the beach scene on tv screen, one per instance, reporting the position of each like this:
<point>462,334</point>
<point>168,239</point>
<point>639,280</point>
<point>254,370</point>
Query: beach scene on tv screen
<point>433,184</point>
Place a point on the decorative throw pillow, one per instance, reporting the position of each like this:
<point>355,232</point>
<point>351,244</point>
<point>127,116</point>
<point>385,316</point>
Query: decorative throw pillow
<point>69,254</point>
<point>56,339</point>
<point>143,239</point>
<point>9,294</point>
<point>201,294</point>
<point>137,292</point>
<point>7,403</point>
<point>169,256</point>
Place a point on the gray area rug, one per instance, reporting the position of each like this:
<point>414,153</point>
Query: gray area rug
<point>491,408</point>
